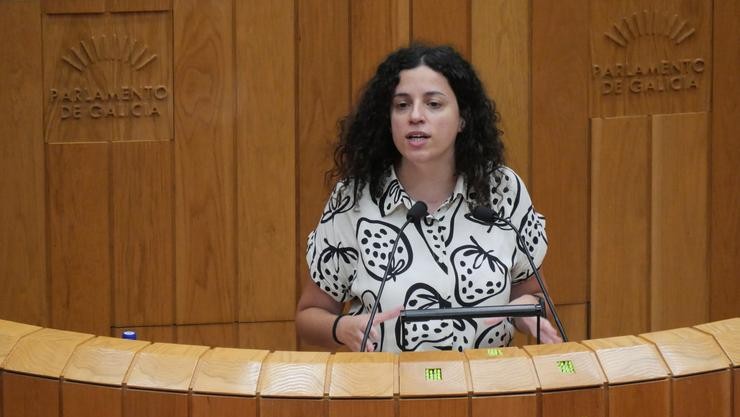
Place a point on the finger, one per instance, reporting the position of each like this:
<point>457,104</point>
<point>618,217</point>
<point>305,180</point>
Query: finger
<point>493,320</point>
<point>387,315</point>
<point>373,335</point>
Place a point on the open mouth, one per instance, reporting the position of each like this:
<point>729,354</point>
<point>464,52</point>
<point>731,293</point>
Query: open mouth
<point>417,136</point>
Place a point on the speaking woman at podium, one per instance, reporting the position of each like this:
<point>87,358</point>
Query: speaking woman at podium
<point>423,130</point>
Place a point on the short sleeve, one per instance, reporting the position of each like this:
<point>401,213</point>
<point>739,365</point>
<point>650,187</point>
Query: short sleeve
<point>509,197</point>
<point>331,253</point>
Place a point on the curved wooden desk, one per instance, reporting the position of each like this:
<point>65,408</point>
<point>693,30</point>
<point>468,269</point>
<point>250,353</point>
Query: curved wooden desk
<point>680,372</point>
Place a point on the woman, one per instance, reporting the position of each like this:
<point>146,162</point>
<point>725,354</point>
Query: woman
<point>423,130</point>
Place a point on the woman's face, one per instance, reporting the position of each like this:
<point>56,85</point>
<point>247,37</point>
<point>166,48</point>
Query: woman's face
<point>425,118</point>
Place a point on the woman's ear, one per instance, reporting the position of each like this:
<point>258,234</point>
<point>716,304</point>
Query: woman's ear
<point>462,125</point>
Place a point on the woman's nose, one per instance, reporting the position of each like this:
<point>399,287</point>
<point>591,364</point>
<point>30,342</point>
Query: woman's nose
<point>417,115</point>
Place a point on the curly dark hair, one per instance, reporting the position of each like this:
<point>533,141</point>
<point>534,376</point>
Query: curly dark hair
<point>365,149</point>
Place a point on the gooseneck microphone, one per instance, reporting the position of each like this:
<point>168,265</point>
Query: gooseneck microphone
<point>489,216</point>
<point>415,214</point>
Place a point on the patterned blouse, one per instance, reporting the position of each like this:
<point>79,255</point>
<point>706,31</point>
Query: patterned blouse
<point>449,259</point>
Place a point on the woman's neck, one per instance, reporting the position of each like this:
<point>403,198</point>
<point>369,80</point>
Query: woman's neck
<point>428,184</point>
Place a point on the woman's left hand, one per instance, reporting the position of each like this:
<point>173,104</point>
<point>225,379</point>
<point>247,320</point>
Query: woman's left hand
<point>528,325</point>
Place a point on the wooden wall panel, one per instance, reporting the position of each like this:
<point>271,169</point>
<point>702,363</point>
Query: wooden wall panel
<point>138,5</point>
<point>275,335</point>
<point>266,159</point>
<point>500,45</point>
<point>79,236</point>
<point>224,406</point>
<point>378,27</point>
<point>323,97</point>
<point>139,403</point>
<point>23,282</point>
<point>679,291</point>
<point>620,226</point>
<point>224,335</point>
<point>725,154</point>
<point>142,227</point>
<point>205,264</point>
<point>524,405</point>
<point>88,400</point>
<point>290,407</point>
<point>442,22</point>
<point>447,407</point>
<point>73,6</point>
<point>648,34</point>
<point>29,396</point>
<point>575,321</point>
<point>361,408</point>
<point>560,180</point>
<point>154,334</point>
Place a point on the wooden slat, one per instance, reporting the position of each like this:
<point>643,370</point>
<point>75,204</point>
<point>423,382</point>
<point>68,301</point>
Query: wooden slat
<point>22,232</point>
<point>45,352</point>
<point>488,365</point>
<point>688,351</point>
<point>138,5</point>
<point>703,395</point>
<point>414,382</point>
<point>153,30</point>
<point>289,407</point>
<point>628,359</point>
<point>73,6</point>
<point>361,408</point>
<point>727,335</point>
<point>378,27</point>
<point>439,407</point>
<point>442,22</point>
<point>271,335</point>
<point>165,366</point>
<point>163,334</point>
<point>294,374</point>
<point>560,153</point>
<point>266,159</point>
<point>143,277</point>
<point>29,396</point>
<point>323,97</point>
<point>10,334</point>
<point>679,290</point>
<point>507,405</point>
<point>500,44</point>
<point>620,227</point>
<point>102,360</point>
<point>589,402</point>
<point>137,403</point>
<point>205,264</point>
<point>208,334</point>
<point>649,93</point>
<point>645,399</point>
<point>79,259</point>
<point>229,371</point>
<point>205,406</point>
<point>586,370</point>
<point>725,153</point>
<point>88,400</point>
<point>362,375</point>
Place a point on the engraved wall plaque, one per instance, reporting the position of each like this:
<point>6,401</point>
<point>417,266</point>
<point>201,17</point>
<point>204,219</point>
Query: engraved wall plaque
<point>108,77</point>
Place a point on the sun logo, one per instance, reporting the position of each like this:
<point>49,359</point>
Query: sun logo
<point>649,23</point>
<point>109,48</point>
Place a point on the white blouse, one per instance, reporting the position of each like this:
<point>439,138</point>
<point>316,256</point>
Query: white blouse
<point>449,259</point>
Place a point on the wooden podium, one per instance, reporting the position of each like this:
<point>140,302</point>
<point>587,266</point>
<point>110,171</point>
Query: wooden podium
<point>679,372</point>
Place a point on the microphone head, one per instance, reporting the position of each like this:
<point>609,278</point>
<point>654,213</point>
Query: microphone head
<point>417,211</point>
<point>484,214</point>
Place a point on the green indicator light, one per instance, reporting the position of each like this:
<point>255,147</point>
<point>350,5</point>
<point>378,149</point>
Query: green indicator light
<point>433,374</point>
<point>566,367</point>
<point>495,352</point>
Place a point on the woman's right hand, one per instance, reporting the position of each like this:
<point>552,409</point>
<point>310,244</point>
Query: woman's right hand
<point>350,329</point>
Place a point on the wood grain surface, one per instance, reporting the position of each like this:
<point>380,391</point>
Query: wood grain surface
<point>165,366</point>
<point>272,335</point>
<point>164,334</point>
<point>23,266</point>
<point>501,371</point>
<point>102,360</point>
<point>137,403</point>
<point>413,368</point>
<point>645,399</point>
<point>290,407</point>
<point>589,402</point>
<point>679,291</point>
<point>361,408</point>
<point>10,333</point>
<point>29,396</point>
<point>442,22</point>
<point>294,374</point>
<point>266,159</point>
<point>44,352</point>
<point>727,335</point>
<point>362,375</point>
<point>586,370</point>
<point>620,226</point>
<point>229,371</point>
<point>523,405</point>
<point>501,53</point>
<point>688,351</point>
<point>215,334</point>
<point>446,407</point>
<point>88,400</point>
<point>205,247</point>
<point>138,5</point>
<point>73,6</point>
<point>225,406</point>
<point>703,395</point>
<point>628,359</point>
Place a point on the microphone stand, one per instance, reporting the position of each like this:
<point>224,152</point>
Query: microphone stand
<point>459,313</point>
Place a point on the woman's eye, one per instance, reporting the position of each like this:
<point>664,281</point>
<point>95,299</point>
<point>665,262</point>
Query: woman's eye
<point>434,104</point>
<point>401,105</point>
